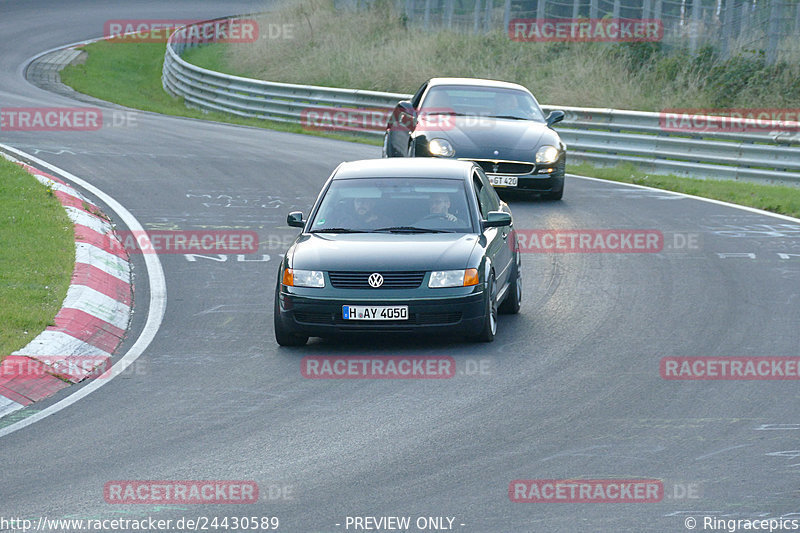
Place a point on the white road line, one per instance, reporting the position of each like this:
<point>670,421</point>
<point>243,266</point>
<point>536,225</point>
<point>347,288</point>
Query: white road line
<point>683,195</point>
<point>156,308</point>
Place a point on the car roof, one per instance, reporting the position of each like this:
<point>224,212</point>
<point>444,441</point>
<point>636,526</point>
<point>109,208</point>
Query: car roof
<point>477,82</point>
<point>395,167</point>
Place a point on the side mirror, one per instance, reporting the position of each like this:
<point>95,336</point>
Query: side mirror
<point>295,219</point>
<point>554,116</point>
<point>406,107</point>
<point>496,219</point>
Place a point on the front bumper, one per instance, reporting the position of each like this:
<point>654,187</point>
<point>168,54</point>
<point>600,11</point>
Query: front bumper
<point>553,182</point>
<point>542,178</point>
<point>322,316</point>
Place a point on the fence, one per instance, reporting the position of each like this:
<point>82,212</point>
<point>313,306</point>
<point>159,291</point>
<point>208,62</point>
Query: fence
<point>599,136</point>
<point>759,27</point>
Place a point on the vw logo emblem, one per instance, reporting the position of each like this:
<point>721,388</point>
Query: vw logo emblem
<point>375,280</point>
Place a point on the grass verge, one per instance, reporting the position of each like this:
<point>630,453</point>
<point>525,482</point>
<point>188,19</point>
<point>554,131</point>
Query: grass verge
<point>130,74</point>
<point>37,258</point>
<point>773,198</point>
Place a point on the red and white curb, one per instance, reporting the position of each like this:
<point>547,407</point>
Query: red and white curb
<point>93,318</point>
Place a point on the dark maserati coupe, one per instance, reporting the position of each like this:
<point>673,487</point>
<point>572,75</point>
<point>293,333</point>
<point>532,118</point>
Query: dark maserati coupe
<point>498,125</point>
<point>400,245</point>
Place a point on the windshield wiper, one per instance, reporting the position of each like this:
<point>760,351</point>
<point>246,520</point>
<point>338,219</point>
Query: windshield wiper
<point>410,229</point>
<point>337,230</point>
<point>512,117</point>
<point>445,112</point>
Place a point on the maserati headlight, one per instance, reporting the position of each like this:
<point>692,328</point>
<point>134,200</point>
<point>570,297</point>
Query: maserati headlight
<point>453,278</point>
<point>547,155</point>
<point>303,278</point>
<point>441,148</point>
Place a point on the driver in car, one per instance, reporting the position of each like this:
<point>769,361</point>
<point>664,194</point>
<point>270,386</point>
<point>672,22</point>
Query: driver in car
<point>507,105</point>
<point>363,214</point>
<point>440,207</point>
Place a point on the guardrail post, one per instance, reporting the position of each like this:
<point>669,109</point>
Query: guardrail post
<point>477,17</point>
<point>541,9</point>
<point>506,15</point>
<point>616,9</point>
<point>593,9</point>
<point>487,21</point>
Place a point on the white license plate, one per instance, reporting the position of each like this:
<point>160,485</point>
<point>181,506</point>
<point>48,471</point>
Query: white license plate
<point>503,181</point>
<point>375,312</point>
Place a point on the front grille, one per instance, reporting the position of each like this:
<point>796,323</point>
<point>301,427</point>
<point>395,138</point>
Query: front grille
<point>391,280</point>
<point>438,318</point>
<point>506,167</point>
<point>314,318</point>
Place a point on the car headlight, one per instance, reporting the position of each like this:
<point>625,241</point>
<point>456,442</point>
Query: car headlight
<point>547,155</point>
<point>303,278</point>
<point>453,278</point>
<point>441,148</point>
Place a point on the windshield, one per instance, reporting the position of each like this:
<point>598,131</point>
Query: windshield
<point>482,101</point>
<point>394,205</point>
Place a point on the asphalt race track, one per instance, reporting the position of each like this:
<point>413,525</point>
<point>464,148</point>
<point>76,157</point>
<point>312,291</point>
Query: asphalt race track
<point>569,389</point>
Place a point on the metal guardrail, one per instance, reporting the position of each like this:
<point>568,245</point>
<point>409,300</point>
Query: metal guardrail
<point>598,136</point>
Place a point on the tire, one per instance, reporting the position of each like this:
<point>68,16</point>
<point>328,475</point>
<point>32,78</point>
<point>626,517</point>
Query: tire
<point>490,316</point>
<point>554,195</point>
<point>387,149</point>
<point>283,335</point>
<point>513,301</point>
<point>557,195</point>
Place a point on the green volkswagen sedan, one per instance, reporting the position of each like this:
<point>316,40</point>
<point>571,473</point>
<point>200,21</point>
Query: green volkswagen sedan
<point>400,245</point>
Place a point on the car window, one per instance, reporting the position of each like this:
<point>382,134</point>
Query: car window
<point>418,96</point>
<point>487,198</point>
<point>367,204</point>
<point>482,101</point>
